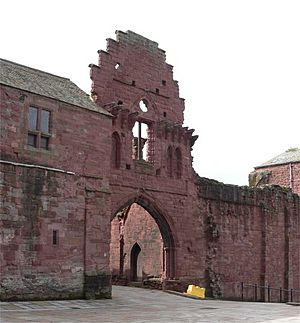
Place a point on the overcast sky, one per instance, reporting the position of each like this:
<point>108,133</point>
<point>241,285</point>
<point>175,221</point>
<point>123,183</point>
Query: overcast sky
<point>237,63</point>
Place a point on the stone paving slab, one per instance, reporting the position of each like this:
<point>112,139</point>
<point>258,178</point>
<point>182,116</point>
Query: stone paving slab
<point>136,305</point>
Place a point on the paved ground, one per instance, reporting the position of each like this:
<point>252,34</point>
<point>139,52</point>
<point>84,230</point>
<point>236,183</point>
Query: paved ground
<point>134,305</point>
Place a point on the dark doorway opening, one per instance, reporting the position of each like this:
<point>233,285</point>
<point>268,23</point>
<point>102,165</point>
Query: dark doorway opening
<point>134,263</point>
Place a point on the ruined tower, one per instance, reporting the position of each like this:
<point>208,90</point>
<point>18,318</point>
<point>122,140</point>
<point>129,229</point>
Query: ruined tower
<point>151,163</point>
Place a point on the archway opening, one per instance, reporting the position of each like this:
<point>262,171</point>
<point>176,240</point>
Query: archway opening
<point>142,248</point>
<point>136,270</point>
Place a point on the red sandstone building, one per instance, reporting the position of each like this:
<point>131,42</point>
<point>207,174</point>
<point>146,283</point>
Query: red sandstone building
<point>102,189</point>
<point>283,170</point>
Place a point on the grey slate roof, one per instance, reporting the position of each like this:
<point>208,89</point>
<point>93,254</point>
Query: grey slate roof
<point>292,155</point>
<point>45,84</point>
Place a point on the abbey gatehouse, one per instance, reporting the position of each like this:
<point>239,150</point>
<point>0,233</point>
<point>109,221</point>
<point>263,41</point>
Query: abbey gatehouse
<point>101,188</point>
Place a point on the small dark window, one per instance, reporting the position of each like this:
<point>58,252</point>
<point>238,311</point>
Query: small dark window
<point>31,140</point>
<point>165,114</point>
<point>164,83</point>
<point>133,83</point>
<point>44,142</point>
<point>55,237</point>
<point>157,91</point>
<point>128,166</point>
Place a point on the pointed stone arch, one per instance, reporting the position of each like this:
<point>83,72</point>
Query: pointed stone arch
<point>164,228</point>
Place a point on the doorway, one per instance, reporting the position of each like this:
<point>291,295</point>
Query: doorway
<point>142,246</point>
<point>135,268</point>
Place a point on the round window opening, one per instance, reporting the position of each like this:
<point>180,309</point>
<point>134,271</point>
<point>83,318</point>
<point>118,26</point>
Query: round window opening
<point>143,105</point>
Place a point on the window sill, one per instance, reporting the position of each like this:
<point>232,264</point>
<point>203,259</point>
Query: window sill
<point>37,150</point>
<point>144,167</point>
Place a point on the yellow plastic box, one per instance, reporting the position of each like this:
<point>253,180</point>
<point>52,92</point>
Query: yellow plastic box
<point>196,291</point>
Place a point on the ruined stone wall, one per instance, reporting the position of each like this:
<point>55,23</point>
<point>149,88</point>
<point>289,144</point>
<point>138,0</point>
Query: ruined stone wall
<point>213,234</point>
<point>133,67</point>
<point>184,228</point>
<point>286,175</point>
<point>230,234</point>
<point>131,70</point>
<point>63,189</point>
<point>252,236</point>
<point>221,235</point>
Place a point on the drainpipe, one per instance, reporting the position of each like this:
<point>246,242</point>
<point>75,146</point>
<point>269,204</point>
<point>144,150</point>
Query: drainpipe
<point>291,176</point>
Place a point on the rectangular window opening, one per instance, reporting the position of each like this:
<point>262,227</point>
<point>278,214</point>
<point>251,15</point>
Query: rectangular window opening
<point>38,128</point>
<point>55,237</point>
<point>32,118</point>
<point>45,118</point>
<point>44,142</point>
<point>32,140</point>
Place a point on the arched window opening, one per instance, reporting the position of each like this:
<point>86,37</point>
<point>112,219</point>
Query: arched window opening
<point>170,161</point>
<point>116,150</point>
<point>142,142</point>
<point>178,163</point>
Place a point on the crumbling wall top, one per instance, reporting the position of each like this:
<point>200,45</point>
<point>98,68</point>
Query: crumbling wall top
<point>134,68</point>
<point>131,37</point>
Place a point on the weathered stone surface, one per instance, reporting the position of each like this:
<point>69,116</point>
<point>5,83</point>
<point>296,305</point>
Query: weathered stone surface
<point>251,236</point>
<point>44,191</point>
<point>97,286</point>
<point>61,208</point>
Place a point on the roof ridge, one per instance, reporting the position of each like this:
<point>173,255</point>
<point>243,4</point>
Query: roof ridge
<point>46,84</point>
<point>292,149</point>
<point>291,155</point>
<point>34,69</point>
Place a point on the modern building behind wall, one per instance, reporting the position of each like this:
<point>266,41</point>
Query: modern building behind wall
<point>102,187</point>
